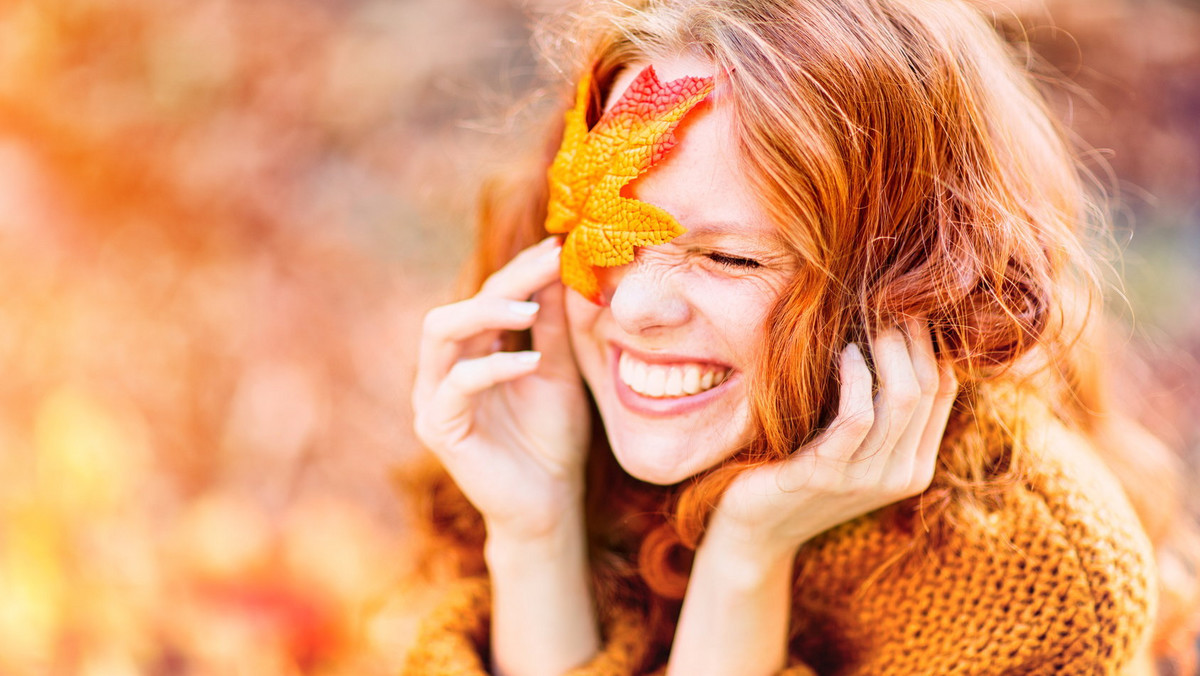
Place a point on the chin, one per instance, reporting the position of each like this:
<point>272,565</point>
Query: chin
<point>665,462</point>
<point>637,467</point>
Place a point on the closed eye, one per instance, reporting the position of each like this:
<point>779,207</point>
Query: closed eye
<point>733,261</point>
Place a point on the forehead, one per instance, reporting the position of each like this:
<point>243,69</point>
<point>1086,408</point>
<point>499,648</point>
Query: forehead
<point>702,181</point>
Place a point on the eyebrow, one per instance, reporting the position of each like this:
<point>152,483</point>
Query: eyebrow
<point>708,228</point>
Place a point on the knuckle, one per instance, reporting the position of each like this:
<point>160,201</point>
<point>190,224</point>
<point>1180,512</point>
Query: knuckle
<point>500,277</point>
<point>860,422</point>
<point>855,475</point>
<point>506,276</point>
<point>906,397</point>
<point>948,382</point>
<point>435,321</point>
<point>424,430</point>
<point>898,485</point>
<point>459,374</point>
<point>922,478</point>
<point>489,285</point>
<point>927,380</point>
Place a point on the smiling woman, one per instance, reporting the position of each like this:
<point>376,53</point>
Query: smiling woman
<point>804,380</point>
<point>669,350</point>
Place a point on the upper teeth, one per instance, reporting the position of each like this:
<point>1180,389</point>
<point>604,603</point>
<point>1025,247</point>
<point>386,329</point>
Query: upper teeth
<point>669,380</point>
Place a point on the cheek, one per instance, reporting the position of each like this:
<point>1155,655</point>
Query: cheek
<point>739,311</point>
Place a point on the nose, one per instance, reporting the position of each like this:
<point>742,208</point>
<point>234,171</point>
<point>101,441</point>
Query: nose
<point>645,297</point>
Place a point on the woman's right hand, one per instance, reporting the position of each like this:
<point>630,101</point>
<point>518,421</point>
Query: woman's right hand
<point>511,428</point>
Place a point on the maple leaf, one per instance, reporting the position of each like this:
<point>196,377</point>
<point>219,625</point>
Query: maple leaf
<point>592,167</point>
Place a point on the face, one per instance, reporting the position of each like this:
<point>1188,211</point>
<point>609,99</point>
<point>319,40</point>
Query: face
<point>669,354</point>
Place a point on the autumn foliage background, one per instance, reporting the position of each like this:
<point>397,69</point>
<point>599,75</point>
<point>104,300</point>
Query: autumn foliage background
<point>220,224</point>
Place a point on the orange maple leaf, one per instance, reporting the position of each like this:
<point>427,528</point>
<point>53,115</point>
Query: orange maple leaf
<point>592,167</point>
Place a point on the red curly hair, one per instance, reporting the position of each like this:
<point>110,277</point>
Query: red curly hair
<point>914,171</point>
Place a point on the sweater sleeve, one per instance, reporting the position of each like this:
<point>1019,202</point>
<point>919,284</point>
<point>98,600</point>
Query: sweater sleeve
<point>1058,578</point>
<point>454,638</point>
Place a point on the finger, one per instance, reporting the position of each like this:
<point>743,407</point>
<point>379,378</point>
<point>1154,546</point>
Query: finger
<point>898,394</point>
<point>472,376</point>
<point>939,415</point>
<point>447,327</point>
<point>520,278</point>
<point>529,271</point>
<point>451,405</point>
<point>808,468</point>
<point>924,360</point>
<point>905,463</point>
<point>856,413</point>
<point>550,333</point>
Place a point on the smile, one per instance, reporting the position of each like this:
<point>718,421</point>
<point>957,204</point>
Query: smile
<point>662,381</point>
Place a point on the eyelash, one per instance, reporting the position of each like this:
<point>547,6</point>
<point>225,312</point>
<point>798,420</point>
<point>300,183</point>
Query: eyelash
<point>733,261</point>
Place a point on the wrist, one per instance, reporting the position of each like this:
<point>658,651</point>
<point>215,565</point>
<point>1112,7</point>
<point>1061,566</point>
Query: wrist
<point>734,618</point>
<point>550,538</point>
<point>544,619</point>
<point>742,557</point>
<point>542,516</point>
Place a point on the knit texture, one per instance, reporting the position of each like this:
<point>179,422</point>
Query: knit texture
<point>1057,579</point>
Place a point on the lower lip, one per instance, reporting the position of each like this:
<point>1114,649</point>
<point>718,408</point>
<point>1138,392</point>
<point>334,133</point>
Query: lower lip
<point>665,406</point>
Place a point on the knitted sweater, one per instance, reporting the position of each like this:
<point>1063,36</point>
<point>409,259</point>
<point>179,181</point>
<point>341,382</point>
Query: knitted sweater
<point>1058,578</point>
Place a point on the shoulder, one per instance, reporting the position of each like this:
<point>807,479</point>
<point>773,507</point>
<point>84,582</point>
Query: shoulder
<point>1057,577</point>
<point>1110,556</point>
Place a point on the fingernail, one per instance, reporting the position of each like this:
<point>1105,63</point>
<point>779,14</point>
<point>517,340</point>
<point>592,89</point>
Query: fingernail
<point>523,308</point>
<point>528,357</point>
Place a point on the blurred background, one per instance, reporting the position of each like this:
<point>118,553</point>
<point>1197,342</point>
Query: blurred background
<point>220,224</point>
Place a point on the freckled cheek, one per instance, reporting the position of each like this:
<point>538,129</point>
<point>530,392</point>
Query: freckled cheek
<point>739,312</point>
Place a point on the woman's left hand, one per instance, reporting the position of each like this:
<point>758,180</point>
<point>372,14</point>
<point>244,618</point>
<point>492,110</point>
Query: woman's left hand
<point>877,451</point>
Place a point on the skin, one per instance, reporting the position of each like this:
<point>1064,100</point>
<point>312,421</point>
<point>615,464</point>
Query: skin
<point>484,414</point>
<point>700,298</point>
<point>507,425</point>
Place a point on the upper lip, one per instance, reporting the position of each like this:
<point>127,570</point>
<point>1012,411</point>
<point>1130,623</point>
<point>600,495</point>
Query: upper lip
<point>667,357</point>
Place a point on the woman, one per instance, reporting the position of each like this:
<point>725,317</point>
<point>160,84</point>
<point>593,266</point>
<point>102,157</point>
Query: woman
<point>813,396</point>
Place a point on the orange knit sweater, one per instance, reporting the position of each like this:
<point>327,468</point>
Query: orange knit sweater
<point>1057,579</point>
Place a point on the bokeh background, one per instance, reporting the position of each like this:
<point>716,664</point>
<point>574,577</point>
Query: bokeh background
<point>220,224</point>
